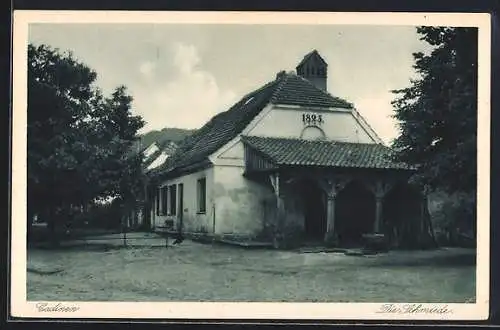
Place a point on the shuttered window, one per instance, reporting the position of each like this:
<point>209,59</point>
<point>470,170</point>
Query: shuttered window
<point>158,193</point>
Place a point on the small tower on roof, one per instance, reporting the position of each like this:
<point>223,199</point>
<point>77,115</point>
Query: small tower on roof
<point>313,68</point>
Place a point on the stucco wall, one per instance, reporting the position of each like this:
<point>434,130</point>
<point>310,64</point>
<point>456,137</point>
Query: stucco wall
<point>246,208</point>
<point>192,220</point>
<point>337,125</point>
<point>238,202</point>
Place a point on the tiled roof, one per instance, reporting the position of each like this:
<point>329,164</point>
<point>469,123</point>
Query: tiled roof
<point>221,129</point>
<point>295,90</point>
<point>286,89</point>
<point>294,152</point>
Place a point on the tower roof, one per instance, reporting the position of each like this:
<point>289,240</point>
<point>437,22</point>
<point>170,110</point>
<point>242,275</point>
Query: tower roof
<point>311,55</point>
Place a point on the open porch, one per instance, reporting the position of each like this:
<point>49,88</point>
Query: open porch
<point>336,193</point>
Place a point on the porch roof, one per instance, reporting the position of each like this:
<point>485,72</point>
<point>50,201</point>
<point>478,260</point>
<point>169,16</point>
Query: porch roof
<point>265,153</point>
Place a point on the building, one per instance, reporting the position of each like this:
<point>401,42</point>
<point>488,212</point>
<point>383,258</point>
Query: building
<point>288,162</point>
<point>157,153</point>
<point>153,156</point>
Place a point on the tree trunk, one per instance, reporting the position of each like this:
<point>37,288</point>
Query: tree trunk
<point>430,227</point>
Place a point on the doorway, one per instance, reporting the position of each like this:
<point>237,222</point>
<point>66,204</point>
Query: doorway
<point>314,203</point>
<point>180,212</point>
<point>354,214</point>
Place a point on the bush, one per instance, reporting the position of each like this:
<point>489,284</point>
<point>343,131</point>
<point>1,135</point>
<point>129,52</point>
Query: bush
<point>105,216</point>
<point>454,219</point>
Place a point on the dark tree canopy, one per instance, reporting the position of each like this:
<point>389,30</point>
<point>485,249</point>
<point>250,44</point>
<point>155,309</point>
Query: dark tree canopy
<point>78,140</point>
<point>437,114</point>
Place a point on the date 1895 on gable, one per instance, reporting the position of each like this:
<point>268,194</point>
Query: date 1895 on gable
<point>312,119</point>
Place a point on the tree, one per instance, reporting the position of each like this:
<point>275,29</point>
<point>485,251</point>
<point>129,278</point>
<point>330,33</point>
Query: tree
<point>437,114</point>
<point>77,138</point>
<point>59,90</point>
<point>124,168</point>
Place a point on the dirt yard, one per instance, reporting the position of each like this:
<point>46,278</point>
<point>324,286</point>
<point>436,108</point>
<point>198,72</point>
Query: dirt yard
<point>203,272</point>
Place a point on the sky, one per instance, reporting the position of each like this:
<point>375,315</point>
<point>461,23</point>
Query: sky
<point>180,75</point>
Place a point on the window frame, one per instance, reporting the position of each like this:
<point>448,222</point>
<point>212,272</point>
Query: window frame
<point>201,191</point>
<point>164,200</point>
<point>172,199</point>
<point>158,201</point>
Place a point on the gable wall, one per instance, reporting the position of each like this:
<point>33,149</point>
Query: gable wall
<point>284,122</point>
<point>339,125</point>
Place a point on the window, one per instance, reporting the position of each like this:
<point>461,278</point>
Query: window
<point>158,192</point>
<point>173,200</point>
<point>164,200</point>
<point>202,195</point>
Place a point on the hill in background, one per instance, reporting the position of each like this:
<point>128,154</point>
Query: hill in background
<point>163,136</point>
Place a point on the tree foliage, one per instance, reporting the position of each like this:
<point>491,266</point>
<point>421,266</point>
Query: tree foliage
<point>437,113</point>
<point>78,140</point>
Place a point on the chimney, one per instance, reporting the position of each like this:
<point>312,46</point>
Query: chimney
<point>313,68</point>
<point>280,74</point>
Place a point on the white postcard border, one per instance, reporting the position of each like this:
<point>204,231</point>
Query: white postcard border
<point>20,307</point>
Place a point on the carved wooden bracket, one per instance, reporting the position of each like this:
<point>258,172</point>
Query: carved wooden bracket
<point>275,182</point>
<point>332,186</point>
<point>379,187</point>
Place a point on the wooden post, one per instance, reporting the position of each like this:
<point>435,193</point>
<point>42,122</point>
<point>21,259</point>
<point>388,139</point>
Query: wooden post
<point>280,209</point>
<point>330,217</point>
<point>331,186</point>
<point>378,214</point>
<point>379,189</point>
<point>281,216</point>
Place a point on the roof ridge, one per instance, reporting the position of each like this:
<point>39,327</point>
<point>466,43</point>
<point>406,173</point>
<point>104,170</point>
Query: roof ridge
<point>362,143</point>
<point>287,138</point>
